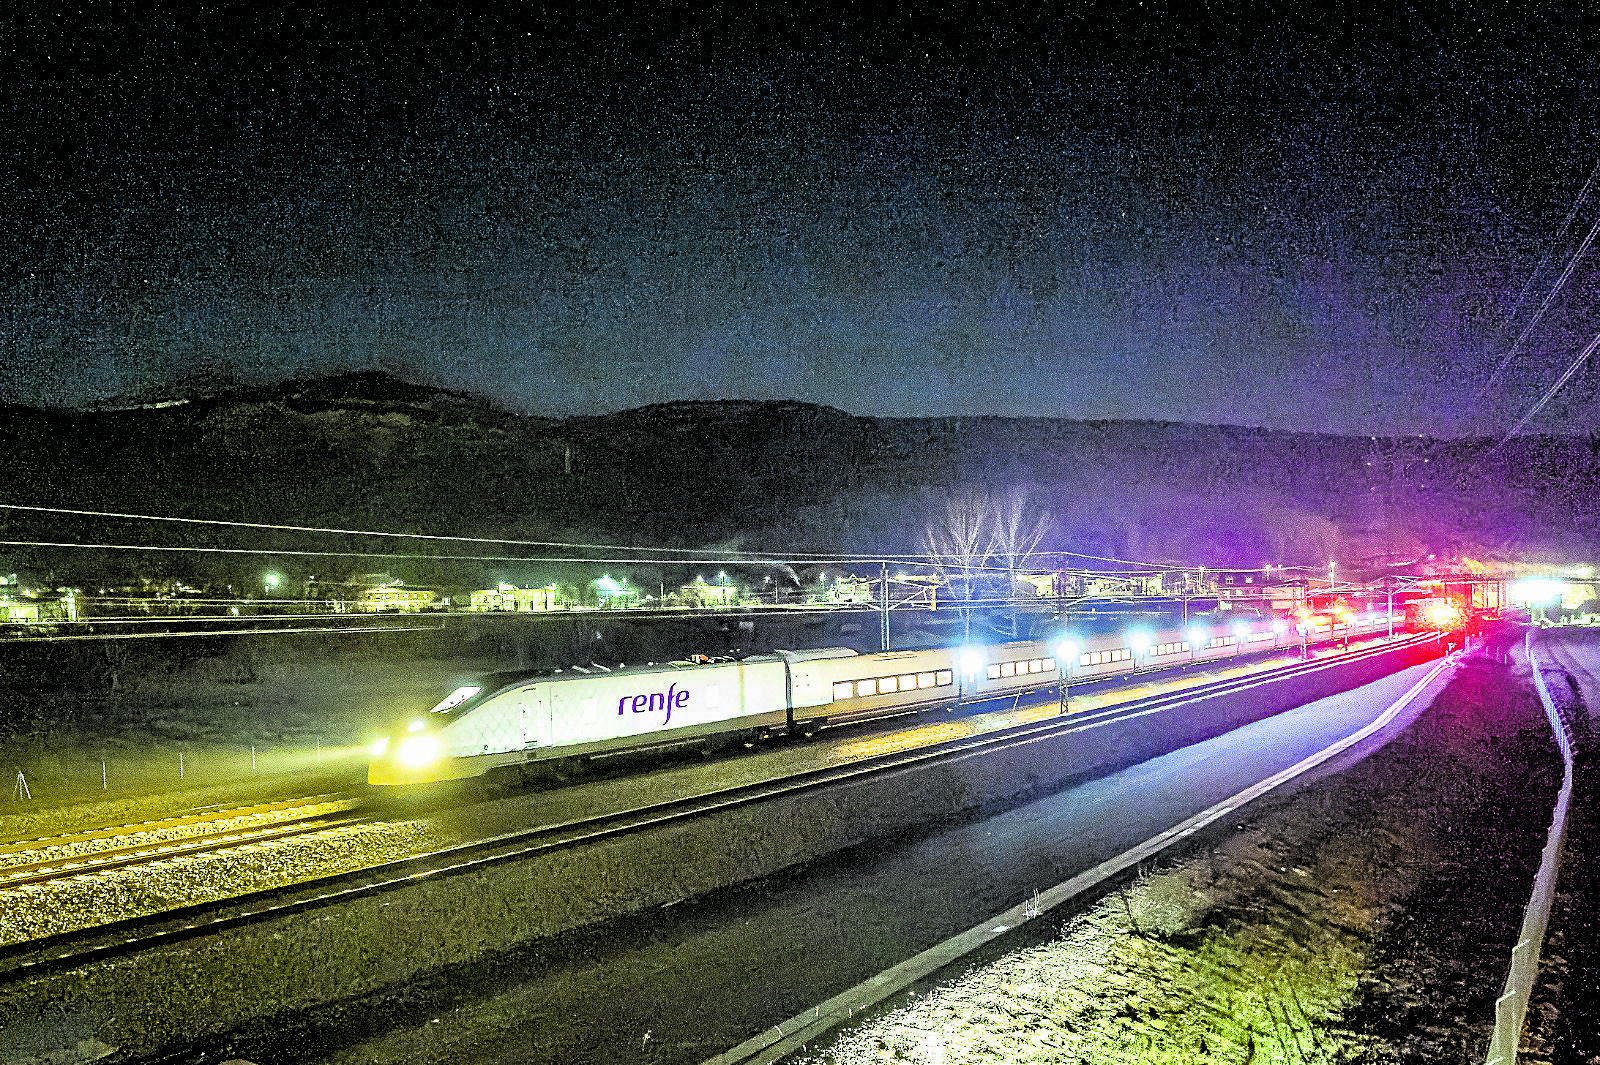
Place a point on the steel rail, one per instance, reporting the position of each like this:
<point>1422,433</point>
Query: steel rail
<point>72,866</point>
<point>160,824</point>
<point>67,950</point>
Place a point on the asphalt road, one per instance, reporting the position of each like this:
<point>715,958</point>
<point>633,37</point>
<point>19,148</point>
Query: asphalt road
<point>681,985</point>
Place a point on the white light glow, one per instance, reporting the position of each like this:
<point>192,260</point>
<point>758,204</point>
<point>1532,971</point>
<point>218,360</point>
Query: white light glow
<point>418,750</point>
<point>1538,591</point>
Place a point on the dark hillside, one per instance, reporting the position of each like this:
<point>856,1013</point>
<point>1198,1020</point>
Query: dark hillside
<point>369,451</point>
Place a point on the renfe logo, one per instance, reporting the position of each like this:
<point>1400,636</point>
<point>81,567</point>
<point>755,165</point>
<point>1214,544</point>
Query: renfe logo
<point>644,704</point>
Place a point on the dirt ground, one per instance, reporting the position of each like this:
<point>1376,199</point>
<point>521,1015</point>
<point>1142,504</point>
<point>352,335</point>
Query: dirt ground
<point>1370,919</point>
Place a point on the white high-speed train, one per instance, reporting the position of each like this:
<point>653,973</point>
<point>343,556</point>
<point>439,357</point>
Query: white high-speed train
<point>509,719</point>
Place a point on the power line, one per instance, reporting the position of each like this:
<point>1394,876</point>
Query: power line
<point>216,632</point>
<point>1550,393</point>
<point>1561,231</point>
<point>737,554</point>
<point>1534,321</point>
<point>834,560</point>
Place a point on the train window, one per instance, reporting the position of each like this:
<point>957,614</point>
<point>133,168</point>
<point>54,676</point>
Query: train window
<point>1048,664</point>
<point>1124,654</point>
<point>1035,665</point>
<point>843,689</point>
<point>866,687</point>
<point>943,677</point>
<point>994,672</point>
<point>908,681</point>
<point>1008,669</point>
<point>925,680</point>
<point>887,685</point>
<point>1086,659</point>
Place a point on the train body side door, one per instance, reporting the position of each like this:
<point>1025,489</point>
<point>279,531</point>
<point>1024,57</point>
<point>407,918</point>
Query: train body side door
<point>534,703</point>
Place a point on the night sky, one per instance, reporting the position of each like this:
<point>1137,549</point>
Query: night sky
<point>1292,215</point>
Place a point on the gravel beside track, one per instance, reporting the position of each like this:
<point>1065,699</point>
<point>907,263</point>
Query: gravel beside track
<point>34,911</point>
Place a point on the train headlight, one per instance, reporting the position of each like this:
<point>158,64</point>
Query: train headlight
<point>418,750</point>
<point>379,747</point>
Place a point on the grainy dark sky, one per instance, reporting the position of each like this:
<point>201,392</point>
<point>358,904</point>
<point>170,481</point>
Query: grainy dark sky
<point>1286,215</point>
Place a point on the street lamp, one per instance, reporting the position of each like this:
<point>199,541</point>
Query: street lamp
<point>270,582</point>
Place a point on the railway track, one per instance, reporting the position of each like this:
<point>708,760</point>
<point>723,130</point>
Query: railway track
<point>120,938</point>
<point>87,852</point>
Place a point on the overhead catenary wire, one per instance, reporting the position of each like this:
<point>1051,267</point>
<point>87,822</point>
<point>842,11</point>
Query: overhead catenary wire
<point>734,555</point>
<point>1550,393</point>
<point>1527,330</point>
<point>1556,238</point>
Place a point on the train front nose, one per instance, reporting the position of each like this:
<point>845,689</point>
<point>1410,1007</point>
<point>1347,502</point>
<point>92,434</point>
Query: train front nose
<point>415,756</point>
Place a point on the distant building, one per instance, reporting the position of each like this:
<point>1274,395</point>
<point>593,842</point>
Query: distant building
<point>697,593</point>
<point>23,607</point>
<point>395,598</point>
<point>15,610</point>
<point>1042,585</point>
<point>852,590</point>
<point>1255,584</point>
<point>508,597</point>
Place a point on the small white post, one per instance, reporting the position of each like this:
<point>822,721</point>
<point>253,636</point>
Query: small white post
<point>102,774</point>
<point>180,763</point>
<point>252,758</point>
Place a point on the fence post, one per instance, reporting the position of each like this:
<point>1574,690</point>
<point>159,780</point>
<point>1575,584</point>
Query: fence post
<point>102,774</point>
<point>252,758</point>
<point>180,763</point>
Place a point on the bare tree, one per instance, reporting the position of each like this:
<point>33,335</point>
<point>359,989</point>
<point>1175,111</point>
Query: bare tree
<point>976,531</point>
<point>957,539</point>
<point>1017,527</point>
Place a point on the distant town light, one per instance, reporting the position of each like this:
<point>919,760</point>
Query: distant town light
<point>1538,591</point>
